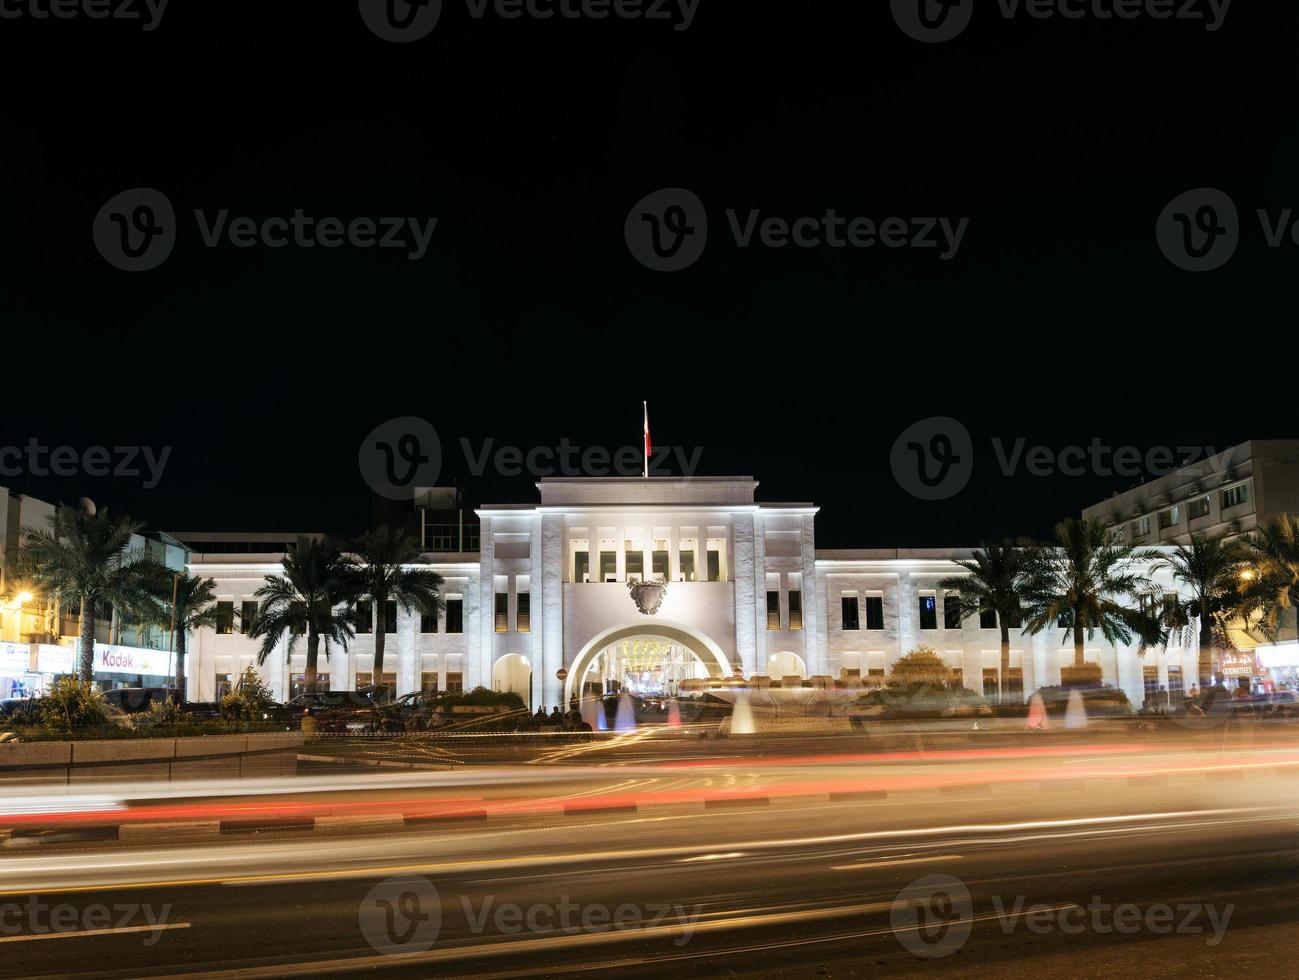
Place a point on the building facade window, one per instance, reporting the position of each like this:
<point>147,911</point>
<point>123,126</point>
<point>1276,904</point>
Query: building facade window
<point>1170,518</point>
<point>928,612</point>
<point>428,681</point>
<point>248,616</point>
<point>875,612</point>
<point>1140,527</point>
<point>987,619</point>
<point>428,622</point>
<point>523,613</point>
<point>365,617</point>
<point>849,613</point>
<point>773,610</point>
<point>225,618</point>
<point>952,611</point>
<point>502,612</point>
<point>390,616</point>
<point>635,559</point>
<point>455,616</point>
<point>455,682</point>
<point>1235,496</point>
<point>1199,507</point>
<point>795,609</point>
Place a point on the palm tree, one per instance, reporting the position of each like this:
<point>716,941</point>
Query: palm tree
<point>1209,572</point>
<point>1271,588</point>
<point>995,584</point>
<point>85,560</point>
<point>1079,584</point>
<point>380,573</point>
<point>195,608</point>
<point>305,600</point>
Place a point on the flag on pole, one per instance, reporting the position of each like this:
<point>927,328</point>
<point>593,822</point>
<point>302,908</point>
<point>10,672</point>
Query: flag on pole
<point>647,439</point>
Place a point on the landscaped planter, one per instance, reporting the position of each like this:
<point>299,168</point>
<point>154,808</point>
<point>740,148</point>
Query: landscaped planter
<point>161,759</point>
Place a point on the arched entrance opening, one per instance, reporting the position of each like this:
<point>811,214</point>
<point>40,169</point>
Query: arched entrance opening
<point>513,673</point>
<point>649,659</point>
<point>786,664</point>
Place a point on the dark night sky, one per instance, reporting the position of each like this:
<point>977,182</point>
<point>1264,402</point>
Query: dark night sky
<point>1059,321</point>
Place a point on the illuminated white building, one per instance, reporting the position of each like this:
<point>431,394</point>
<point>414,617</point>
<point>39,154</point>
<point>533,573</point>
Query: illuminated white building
<point>543,606</point>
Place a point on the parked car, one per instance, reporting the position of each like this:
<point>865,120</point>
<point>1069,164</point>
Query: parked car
<point>134,700</point>
<point>337,712</point>
<point>19,710</point>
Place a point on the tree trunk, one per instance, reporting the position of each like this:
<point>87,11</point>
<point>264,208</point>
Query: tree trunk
<point>313,654</point>
<point>380,618</point>
<point>86,667</point>
<point>1206,650</point>
<point>1078,653</point>
<point>1005,664</point>
<point>180,661</point>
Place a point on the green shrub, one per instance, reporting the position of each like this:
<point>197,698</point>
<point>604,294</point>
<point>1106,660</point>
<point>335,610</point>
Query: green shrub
<point>161,715</point>
<point>73,705</point>
<point>250,700</point>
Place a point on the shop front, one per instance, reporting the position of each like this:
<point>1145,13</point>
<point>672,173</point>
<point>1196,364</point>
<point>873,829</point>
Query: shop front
<point>1279,663</point>
<point>17,679</point>
<point>114,666</point>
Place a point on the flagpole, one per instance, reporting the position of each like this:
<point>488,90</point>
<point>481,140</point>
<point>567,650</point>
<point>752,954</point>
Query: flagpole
<point>645,404</point>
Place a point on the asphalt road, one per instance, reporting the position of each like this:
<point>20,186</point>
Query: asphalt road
<point>1182,877</point>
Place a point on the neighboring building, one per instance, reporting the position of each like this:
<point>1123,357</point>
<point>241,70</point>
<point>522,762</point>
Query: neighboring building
<point>1229,493</point>
<point>38,640</point>
<point>543,606</point>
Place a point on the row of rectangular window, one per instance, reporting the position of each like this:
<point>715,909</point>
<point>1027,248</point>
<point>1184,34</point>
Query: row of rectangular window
<point>1198,508</point>
<point>928,612</point>
<point>522,612</point>
<point>225,617</point>
<point>795,609</point>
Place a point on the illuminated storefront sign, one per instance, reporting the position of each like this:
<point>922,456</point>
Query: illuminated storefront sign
<point>15,659</point>
<point>1238,663</point>
<point>134,661</point>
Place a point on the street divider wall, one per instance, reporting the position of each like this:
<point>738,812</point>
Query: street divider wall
<point>161,759</point>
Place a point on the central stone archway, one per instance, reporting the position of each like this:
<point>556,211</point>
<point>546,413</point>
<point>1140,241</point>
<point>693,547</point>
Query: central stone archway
<point>708,652</point>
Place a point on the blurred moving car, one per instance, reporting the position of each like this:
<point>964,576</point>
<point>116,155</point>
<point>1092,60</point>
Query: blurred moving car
<point>1101,701</point>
